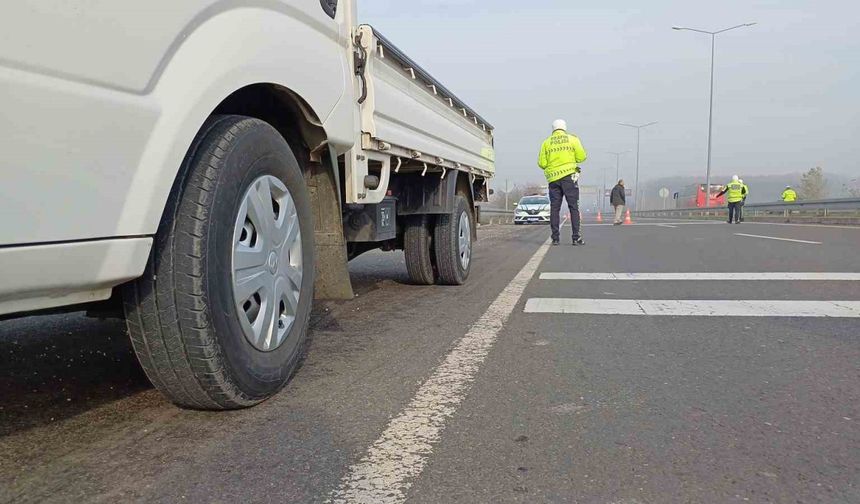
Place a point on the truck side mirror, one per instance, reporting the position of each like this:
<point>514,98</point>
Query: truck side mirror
<point>492,192</point>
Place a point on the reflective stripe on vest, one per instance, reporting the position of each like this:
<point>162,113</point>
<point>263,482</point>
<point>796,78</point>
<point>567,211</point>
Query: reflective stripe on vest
<point>559,173</point>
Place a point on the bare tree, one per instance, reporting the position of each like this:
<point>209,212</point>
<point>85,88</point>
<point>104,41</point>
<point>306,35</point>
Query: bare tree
<point>515,193</point>
<point>533,189</point>
<point>812,184</point>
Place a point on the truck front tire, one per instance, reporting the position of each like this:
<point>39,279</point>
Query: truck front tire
<point>219,319</point>
<point>453,243</point>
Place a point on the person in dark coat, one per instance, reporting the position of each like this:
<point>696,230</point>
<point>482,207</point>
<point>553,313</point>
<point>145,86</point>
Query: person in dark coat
<point>618,199</point>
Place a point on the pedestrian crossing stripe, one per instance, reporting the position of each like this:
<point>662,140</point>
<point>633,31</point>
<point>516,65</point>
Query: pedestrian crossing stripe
<point>751,276</point>
<point>695,308</point>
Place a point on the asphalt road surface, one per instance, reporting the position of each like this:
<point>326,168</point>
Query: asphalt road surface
<point>557,374</point>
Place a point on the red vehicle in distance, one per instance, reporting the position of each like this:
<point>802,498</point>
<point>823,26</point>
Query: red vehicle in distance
<point>693,196</point>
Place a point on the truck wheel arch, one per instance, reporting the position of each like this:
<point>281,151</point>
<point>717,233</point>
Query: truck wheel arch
<point>303,131</point>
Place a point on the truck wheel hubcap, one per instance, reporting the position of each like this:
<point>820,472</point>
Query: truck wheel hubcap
<point>267,263</point>
<point>464,241</point>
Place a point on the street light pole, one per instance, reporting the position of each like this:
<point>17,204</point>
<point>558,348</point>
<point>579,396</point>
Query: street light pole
<point>710,126</point>
<point>638,129</point>
<point>638,192</point>
<point>711,103</point>
<point>603,193</point>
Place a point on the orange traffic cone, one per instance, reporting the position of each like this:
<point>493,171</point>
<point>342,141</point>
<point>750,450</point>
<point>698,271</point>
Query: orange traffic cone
<point>627,219</point>
<point>599,217</point>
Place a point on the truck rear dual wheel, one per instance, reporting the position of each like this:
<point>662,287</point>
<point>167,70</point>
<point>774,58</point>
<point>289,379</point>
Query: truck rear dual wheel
<point>418,248</point>
<point>219,319</point>
<point>452,238</point>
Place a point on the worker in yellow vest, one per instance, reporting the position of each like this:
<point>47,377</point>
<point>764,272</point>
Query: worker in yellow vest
<point>789,195</point>
<point>559,159</point>
<point>736,191</point>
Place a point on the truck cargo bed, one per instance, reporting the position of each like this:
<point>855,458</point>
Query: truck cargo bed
<point>409,114</point>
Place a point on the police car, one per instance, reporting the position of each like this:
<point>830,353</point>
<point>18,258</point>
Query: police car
<point>532,210</point>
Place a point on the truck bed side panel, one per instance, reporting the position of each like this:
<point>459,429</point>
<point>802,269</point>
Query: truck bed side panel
<point>412,117</point>
<point>414,111</point>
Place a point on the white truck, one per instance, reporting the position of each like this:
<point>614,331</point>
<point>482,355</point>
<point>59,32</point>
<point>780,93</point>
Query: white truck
<point>213,166</point>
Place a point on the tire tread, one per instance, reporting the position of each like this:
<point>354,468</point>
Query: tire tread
<point>418,249</point>
<point>167,309</point>
<point>447,249</point>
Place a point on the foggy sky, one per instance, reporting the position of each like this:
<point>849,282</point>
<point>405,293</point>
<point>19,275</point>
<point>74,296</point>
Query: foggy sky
<point>787,94</point>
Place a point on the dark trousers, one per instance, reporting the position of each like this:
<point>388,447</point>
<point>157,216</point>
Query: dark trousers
<point>734,211</point>
<point>568,189</point>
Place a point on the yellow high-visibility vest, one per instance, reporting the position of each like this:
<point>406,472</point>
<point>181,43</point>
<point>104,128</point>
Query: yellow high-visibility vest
<point>560,155</point>
<point>735,192</point>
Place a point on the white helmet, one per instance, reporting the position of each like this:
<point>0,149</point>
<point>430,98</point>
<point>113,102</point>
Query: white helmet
<point>735,178</point>
<point>741,181</point>
<point>559,124</point>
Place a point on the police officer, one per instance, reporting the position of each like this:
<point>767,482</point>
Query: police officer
<point>736,192</point>
<point>789,195</point>
<point>743,201</point>
<point>559,159</point>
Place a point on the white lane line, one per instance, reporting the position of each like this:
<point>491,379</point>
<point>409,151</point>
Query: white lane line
<point>754,276</point>
<point>695,308</point>
<point>663,224</point>
<point>798,224</point>
<point>679,222</point>
<point>387,470</point>
<point>667,225</point>
<point>644,221</point>
<point>777,238</point>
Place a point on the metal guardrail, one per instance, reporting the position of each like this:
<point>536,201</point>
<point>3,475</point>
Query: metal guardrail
<point>496,211</point>
<point>830,209</point>
<point>487,215</point>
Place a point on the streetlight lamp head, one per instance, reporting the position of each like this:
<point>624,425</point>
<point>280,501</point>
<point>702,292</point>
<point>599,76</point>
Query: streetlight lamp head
<point>750,24</point>
<point>677,28</point>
